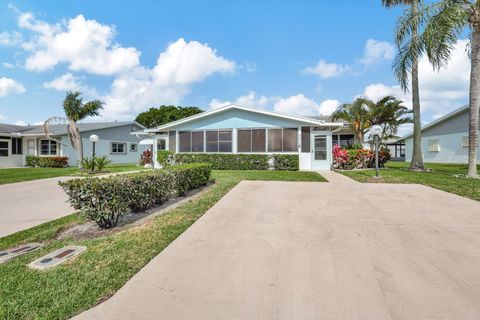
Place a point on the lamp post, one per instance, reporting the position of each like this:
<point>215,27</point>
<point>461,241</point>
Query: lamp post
<point>93,138</point>
<point>376,131</point>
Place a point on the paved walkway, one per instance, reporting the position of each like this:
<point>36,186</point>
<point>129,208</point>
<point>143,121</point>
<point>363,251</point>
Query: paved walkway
<point>26,204</point>
<point>299,250</point>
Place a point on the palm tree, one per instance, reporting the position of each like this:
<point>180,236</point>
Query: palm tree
<point>362,113</point>
<point>356,114</point>
<point>76,110</point>
<point>406,63</point>
<point>445,23</point>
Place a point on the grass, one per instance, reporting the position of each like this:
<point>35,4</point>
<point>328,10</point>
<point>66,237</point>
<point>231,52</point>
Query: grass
<point>109,262</point>
<point>441,177</point>
<point>11,175</point>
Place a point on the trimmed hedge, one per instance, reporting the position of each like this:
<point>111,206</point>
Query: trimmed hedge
<point>46,162</point>
<point>105,200</point>
<point>222,161</point>
<point>286,162</point>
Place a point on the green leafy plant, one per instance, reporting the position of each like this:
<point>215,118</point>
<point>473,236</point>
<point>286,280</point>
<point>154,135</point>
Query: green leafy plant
<point>105,200</point>
<point>221,161</point>
<point>288,162</point>
<point>87,163</point>
<point>101,162</point>
<point>46,162</point>
<point>31,161</point>
<point>165,158</point>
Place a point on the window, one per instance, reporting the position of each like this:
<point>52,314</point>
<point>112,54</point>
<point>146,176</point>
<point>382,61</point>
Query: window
<point>3,148</point>
<point>434,145</point>
<point>17,146</point>
<point>118,148</point>
<point>251,140</point>
<point>219,141</point>
<point>306,139</point>
<point>161,144</point>
<point>133,147</point>
<point>172,141</point>
<point>48,148</point>
<point>342,140</point>
<point>282,140</point>
<point>320,148</point>
<point>197,141</point>
<point>185,142</point>
<point>465,142</point>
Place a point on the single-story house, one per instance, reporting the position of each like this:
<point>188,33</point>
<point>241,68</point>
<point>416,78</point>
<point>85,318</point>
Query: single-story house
<point>240,129</point>
<point>115,141</point>
<point>444,140</point>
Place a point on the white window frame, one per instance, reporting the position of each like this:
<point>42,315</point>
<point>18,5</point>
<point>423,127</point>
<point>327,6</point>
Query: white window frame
<point>50,144</point>
<point>133,147</point>
<point>118,143</point>
<point>434,145</point>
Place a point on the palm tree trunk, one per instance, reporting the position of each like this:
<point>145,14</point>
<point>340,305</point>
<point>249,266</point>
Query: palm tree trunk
<point>417,158</point>
<point>76,140</point>
<point>474,102</point>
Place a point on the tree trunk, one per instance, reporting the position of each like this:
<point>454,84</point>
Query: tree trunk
<point>76,141</point>
<point>417,158</point>
<point>474,101</point>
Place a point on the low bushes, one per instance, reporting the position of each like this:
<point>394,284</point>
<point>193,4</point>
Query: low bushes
<point>46,162</point>
<point>165,158</point>
<point>105,200</point>
<point>222,161</point>
<point>286,162</point>
<point>358,158</point>
<point>97,163</point>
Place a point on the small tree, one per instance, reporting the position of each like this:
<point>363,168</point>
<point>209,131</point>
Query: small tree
<point>155,117</point>
<point>76,110</point>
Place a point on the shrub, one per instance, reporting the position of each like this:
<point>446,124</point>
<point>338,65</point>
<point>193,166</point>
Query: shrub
<point>190,176</point>
<point>358,158</point>
<point>222,161</point>
<point>146,157</point>
<point>87,163</point>
<point>105,200</point>
<point>46,162</point>
<point>286,162</point>
<point>165,158</point>
<point>102,162</point>
<point>31,161</point>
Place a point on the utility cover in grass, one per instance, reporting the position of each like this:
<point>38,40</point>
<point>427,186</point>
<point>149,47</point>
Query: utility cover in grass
<point>18,251</point>
<point>57,257</point>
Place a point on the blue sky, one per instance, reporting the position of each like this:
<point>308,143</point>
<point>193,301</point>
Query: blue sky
<point>300,57</point>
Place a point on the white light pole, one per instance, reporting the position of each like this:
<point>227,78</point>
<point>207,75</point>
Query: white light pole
<point>93,138</point>
<point>376,131</point>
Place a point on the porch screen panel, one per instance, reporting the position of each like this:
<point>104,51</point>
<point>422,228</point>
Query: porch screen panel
<point>225,141</point>
<point>258,140</point>
<point>244,141</point>
<point>212,141</point>
<point>185,141</point>
<point>197,141</point>
<point>275,140</point>
<point>172,141</point>
<point>306,139</point>
<point>290,140</point>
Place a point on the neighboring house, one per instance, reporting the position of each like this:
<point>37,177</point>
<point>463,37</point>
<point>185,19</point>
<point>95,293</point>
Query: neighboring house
<point>444,140</point>
<point>241,129</point>
<point>396,146</point>
<point>116,142</point>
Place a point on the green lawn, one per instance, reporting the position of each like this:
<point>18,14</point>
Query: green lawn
<point>442,177</point>
<point>11,175</point>
<point>110,261</point>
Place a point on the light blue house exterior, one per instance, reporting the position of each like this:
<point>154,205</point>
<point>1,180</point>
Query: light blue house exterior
<point>240,129</point>
<point>444,140</point>
<point>117,141</point>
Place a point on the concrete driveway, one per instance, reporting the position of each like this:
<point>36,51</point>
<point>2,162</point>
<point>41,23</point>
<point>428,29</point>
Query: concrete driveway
<point>27,204</point>
<point>295,250</point>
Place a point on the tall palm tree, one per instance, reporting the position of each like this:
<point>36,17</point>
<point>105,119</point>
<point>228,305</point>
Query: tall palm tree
<point>362,113</point>
<point>356,114</point>
<point>446,21</point>
<point>76,110</point>
<point>406,63</point>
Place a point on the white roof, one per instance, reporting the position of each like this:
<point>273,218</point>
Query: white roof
<point>315,122</point>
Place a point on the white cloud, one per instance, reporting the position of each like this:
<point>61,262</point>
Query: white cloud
<point>82,44</point>
<point>178,67</point>
<point>303,106</point>
<point>2,117</point>
<point>8,65</point>
<point>10,38</point>
<point>10,86</point>
<point>250,67</point>
<point>328,106</point>
<point>20,123</point>
<point>68,81</point>
<point>249,100</point>
<point>327,70</point>
<point>376,51</point>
